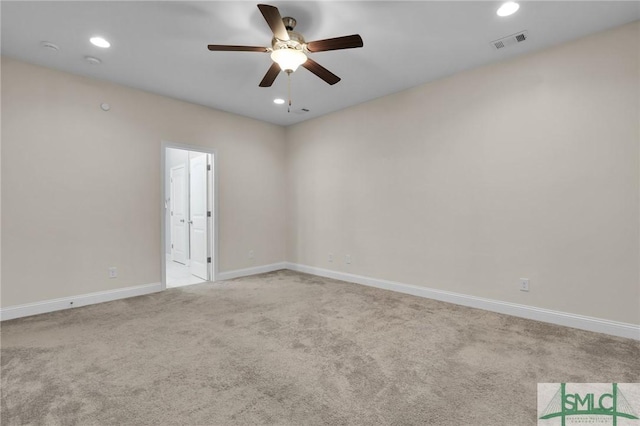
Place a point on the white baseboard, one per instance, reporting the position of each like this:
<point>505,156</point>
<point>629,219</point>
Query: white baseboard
<point>52,305</point>
<point>597,325</point>
<point>222,276</point>
<point>19,311</point>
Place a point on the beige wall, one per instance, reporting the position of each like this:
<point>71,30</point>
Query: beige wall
<point>527,168</point>
<point>81,187</point>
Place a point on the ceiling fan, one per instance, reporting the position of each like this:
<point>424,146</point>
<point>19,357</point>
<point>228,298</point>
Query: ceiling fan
<point>289,50</point>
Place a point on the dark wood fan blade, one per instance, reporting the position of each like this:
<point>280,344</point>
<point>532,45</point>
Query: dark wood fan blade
<point>274,20</point>
<point>321,71</point>
<point>346,42</point>
<point>224,48</point>
<point>270,76</point>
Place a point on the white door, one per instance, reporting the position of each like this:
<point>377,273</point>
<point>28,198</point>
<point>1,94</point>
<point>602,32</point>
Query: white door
<point>179,230</point>
<point>198,212</point>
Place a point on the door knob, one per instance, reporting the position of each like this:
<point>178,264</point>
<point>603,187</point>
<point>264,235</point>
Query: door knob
<point>182,220</point>
<point>190,222</point>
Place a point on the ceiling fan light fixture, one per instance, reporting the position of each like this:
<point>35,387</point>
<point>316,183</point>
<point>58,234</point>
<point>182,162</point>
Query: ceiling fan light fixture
<point>288,59</point>
<point>289,49</point>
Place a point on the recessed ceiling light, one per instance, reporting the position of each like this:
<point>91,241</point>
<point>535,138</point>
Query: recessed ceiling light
<point>49,45</point>
<point>100,42</point>
<point>278,101</point>
<point>508,8</point>
<point>92,60</point>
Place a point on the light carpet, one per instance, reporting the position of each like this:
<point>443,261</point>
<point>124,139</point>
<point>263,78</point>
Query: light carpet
<point>292,349</point>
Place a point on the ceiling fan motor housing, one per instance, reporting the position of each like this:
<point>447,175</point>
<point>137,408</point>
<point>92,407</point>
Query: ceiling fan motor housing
<point>296,41</point>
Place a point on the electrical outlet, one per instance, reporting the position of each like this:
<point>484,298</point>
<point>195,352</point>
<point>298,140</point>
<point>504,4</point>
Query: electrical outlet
<point>524,284</point>
<point>330,257</point>
<point>251,255</point>
<point>113,272</point>
<point>347,259</point>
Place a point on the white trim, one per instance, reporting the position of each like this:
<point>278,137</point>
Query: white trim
<point>52,305</point>
<point>630,331</point>
<point>251,271</point>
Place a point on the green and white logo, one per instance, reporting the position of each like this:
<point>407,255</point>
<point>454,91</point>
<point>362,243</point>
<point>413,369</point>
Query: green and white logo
<point>576,404</point>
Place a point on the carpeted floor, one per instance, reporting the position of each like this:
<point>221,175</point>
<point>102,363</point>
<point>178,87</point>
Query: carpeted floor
<point>292,349</point>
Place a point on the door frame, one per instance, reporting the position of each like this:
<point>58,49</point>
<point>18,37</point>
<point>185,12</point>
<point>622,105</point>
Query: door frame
<point>213,197</point>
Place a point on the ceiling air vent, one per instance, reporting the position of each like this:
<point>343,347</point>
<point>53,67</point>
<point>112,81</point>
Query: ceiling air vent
<point>510,40</point>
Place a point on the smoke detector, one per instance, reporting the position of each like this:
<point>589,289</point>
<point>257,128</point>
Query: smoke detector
<point>510,40</point>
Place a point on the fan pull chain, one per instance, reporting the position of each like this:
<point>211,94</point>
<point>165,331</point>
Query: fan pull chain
<point>289,90</point>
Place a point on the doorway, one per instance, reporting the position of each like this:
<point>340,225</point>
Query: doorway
<point>188,215</point>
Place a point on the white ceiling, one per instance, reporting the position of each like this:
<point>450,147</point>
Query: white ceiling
<point>161,46</point>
